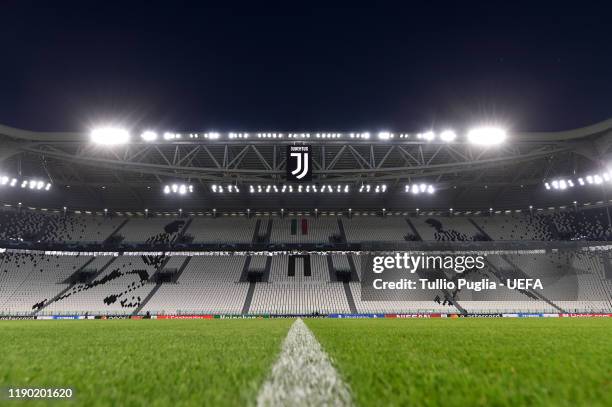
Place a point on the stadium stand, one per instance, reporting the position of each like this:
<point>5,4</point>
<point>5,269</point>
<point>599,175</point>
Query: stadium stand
<point>35,226</point>
<point>279,284</point>
<point>209,284</point>
<point>54,227</point>
<point>158,282</point>
<point>227,229</point>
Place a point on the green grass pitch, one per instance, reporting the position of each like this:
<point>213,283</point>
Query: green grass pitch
<point>473,362</point>
<point>142,362</point>
<point>464,362</point>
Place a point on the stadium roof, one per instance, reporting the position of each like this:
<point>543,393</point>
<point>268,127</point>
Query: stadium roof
<point>465,175</point>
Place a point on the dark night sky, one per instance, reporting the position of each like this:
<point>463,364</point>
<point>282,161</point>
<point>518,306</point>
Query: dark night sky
<point>66,66</point>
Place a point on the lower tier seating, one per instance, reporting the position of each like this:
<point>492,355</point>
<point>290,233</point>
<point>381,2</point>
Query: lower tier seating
<point>38,284</point>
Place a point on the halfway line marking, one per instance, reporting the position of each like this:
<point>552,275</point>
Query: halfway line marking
<point>303,374</point>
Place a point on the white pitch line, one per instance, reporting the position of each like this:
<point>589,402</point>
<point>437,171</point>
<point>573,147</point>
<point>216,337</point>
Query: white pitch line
<point>303,375</point>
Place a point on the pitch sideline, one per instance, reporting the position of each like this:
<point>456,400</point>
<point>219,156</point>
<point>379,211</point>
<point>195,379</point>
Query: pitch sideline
<point>303,374</point>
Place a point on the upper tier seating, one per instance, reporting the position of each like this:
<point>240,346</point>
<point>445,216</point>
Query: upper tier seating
<point>33,226</point>
<point>54,227</point>
<point>225,229</point>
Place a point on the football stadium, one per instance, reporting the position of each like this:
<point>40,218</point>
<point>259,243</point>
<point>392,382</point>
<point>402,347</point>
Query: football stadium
<point>439,266</point>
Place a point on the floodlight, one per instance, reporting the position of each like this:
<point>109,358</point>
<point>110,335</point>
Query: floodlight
<point>428,135</point>
<point>181,189</point>
<point>149,135</point>
<point>110,136</point>
<point>448,136</point>
<point>4,180</point>
<point>487,136</point>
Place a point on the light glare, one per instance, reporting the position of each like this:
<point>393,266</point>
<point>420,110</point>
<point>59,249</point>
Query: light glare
<point>487,136</point>
<point>149,135</point>
<point>110,136</point>
<point>448,136</point>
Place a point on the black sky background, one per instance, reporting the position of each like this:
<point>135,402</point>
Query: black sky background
<point>300,66</point>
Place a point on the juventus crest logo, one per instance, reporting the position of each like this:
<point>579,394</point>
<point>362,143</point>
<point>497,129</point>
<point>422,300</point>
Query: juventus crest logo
<point>299,160</point>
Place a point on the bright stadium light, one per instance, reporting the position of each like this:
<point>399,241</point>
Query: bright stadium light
<point>177,189</point>
<point>32,184</point>
<point>448,136</point>
<point>110,136</point>
<point>417,189</point>
<point>149,135</point>
<point>220,189</point>
<point>487,135</point>
<point>590,179</point>
<point>427,136</point>
<point>308,189</point>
